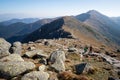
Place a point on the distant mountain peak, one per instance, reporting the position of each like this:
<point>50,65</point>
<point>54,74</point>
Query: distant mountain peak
<point>93,12</point>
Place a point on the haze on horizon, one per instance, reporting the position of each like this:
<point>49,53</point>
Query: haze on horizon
<point>54,8</point>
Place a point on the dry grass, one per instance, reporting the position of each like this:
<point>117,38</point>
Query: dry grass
<point>67,75</point>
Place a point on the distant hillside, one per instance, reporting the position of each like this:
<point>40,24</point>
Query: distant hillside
<point>20,29</point>
<point>68,27</point>
<point>102,24</point>
<point>116,19</point>
<point>25,20</point>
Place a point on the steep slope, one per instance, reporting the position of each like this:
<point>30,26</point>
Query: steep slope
<point>116,19</point>
<point>67,27</point>
<point>102,24</point>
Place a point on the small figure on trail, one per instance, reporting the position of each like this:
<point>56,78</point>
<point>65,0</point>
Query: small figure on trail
<point>90,49</point>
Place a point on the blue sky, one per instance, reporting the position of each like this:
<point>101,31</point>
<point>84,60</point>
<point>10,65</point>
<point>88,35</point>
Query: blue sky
<point>53,8</point>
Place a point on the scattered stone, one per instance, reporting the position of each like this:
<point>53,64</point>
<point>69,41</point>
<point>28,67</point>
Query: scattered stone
<point>84,68</point>
<point>42,68</point>
<point>35,54</point>
<point>31,48</point>
<point>30,42</point>
<point>12,57</point>
<point>16,48</point>
<point>4,47</point>
<point>46,43</point>
<point>53,76</point>
<point>36,75</point>
<point>111,78</point>
<point>14,68</point>
<point>72,49</point>
<point>43,61</point>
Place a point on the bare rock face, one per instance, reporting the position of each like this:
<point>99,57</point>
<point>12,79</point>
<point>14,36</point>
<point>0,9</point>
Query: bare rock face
<point>12,57</point>
<point>58,58</point>
<point>36,75</point>
<point>16,48</point>
<point>14,68</point>
<point>4,47</point>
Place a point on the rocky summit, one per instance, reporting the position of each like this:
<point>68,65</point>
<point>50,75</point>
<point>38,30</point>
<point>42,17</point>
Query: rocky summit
<point>61,59</point>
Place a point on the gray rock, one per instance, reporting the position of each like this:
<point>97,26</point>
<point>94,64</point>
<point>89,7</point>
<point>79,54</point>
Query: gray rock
<point>72,49</point>
<point>4,47</point>
<point>12,57</point>
<point>58,65</point>
<point>36,75</point>
<point>112,78</point>
<point>16,48</point>
<point>84,68</point>
<point>31,48</point>
<point>43,61</point>
<point>58,58</point>
<point>57,55</point>
<point>53,76</point>
<point>42,68</point>
<point>37,53</point>
<point>14,68</point>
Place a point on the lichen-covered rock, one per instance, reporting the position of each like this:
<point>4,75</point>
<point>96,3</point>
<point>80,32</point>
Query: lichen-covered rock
<point>57,59</point>
<point>12,57</point>
<point>16,48</point>
<point>4,47</point>
<point>57,55</point>
<point>36,75</point>
<point>14,68</point>
<point>37,53</point>
<point>58,65</point>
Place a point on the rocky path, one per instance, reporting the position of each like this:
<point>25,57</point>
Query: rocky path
<point>113,61</point>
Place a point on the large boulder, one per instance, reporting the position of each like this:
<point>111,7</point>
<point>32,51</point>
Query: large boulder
<point>16,48</point>
<point>13,68</point>
<point>58,65</point>
<point>57,55</point>
<point>84,68</point>
<point>12,57</point>
<point>36,75</point>
<point>57,59</point>
<point>4,47</point>
<point>35,53</point>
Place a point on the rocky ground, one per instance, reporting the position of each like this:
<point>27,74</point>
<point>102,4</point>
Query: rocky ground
<point>59,59</point>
